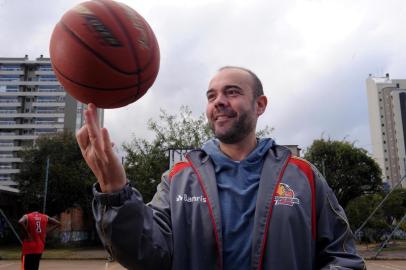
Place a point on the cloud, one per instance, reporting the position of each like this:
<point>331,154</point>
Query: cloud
<point>313,57</point>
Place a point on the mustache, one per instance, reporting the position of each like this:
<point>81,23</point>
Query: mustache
<point>223,111</point>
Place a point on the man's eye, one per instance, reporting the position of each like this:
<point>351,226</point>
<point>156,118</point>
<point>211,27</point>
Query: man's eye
<point>232,92</point>
<point>211,97</point>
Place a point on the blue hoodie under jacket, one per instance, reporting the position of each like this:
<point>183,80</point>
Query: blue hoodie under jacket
<point>237,183</point>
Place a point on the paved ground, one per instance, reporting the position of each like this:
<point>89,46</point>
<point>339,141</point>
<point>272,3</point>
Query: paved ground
<point>385,265</point>
<point>101,265</point>
<point>64,265</point>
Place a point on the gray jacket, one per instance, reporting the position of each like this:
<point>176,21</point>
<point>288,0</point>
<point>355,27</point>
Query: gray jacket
<point>298,222</point>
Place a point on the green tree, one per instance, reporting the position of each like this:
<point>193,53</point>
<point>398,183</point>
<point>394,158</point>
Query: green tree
<point>147,160</point>
<point>395,206</point>
<point>349,170</point>
<point>69,178</point>
<point>358,211</point>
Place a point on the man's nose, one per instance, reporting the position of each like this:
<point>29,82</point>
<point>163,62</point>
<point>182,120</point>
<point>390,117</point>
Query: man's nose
<point>221,100</point>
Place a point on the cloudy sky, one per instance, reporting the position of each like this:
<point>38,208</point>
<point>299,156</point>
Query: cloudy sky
<point>312,56</point>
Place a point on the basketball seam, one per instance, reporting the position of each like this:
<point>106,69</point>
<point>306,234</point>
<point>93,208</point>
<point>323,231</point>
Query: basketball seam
<point>98,88</point>
<point>128,36</point>
<point>151,37</point>
<point>98,55</point>
<point>132,99</point>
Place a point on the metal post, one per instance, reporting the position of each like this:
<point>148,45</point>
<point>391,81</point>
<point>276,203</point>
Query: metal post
<point>376,208</point>
<point>390,236</point>
<point>11,226</point>
<point>46,186</point>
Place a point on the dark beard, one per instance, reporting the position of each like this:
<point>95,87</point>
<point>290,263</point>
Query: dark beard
<point>238,130</point>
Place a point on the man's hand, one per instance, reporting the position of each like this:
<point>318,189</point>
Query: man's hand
<point>97,150</point>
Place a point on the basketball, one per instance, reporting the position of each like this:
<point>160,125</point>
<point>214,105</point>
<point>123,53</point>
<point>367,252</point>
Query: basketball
<point>104,52</point>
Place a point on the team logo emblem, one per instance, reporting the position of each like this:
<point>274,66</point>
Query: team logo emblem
<point>285,196</point>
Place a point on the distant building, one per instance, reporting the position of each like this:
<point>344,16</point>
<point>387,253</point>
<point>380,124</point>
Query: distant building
<point>387,121</point>
<point>294,148</point>
<point>32,103</point>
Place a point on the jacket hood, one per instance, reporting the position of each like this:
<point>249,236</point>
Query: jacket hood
<point>212,148</point>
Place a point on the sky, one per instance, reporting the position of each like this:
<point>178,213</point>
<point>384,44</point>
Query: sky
<point>313,57</point>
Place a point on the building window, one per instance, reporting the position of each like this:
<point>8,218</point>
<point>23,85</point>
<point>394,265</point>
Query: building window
<point>9,78</point>
<point>45,68</point>
<point>10,67</point>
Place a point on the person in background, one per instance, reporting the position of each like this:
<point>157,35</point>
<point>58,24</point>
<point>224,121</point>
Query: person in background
<point>34,227</point>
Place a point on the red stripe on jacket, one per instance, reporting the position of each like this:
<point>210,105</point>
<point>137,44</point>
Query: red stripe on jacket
<point>305,167</point>
<point>177,168</point>
<point>268,220</point>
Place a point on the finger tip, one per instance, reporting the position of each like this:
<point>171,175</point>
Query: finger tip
<point>91,106</point>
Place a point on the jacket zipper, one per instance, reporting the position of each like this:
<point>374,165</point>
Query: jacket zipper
<point>220,264</point>
<point>268,220</point>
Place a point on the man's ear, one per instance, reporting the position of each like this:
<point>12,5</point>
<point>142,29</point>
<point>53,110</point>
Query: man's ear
<point>262,101</point>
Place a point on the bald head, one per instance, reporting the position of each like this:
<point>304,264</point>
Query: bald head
<point>256,82</point>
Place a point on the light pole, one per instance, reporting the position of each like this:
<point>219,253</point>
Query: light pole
<point>46,186</point>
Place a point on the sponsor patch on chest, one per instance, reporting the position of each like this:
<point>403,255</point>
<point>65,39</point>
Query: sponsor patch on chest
<point>190,199</point>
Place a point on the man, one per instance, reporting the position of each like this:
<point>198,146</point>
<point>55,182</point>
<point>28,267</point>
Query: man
<point>34,226</point>
<point>237,203</point>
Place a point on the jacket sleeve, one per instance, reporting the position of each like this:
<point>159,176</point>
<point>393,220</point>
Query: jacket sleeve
<point>138,236</point>
<point>335,245</point>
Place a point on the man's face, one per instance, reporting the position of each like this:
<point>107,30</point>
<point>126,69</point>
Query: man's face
<point>231,108</point>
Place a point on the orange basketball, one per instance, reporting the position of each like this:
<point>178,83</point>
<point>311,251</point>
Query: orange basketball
<point>105,53</point>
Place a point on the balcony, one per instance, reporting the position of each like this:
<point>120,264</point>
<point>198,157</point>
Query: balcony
<point>16,137</point>
<point>11,148</point>
<point>29,126</point>
<point>48,104</point>
<point>44,72</point>
<point>10,104</point>
<point>29,83</point>
<point>12,113</point>
<point>4,112</point>
<point>34,94</point>
<point>9,171</point>
<point>5,185</point>
<point>11,71</point>
<point>10,159</point>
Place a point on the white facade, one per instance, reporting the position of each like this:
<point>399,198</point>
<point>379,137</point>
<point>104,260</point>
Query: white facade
<point>32,103</point>
<point>387,121</point>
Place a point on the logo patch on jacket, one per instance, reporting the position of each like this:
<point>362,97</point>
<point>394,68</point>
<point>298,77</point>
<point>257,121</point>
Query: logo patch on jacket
<point>190,199</point>
<point>285,196</point>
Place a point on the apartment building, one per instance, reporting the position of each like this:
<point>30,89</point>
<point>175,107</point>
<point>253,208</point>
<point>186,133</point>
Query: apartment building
<point>387,121</point>
<point>32,103</point>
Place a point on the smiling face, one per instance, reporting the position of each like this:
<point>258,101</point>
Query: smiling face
<point>232,110</point>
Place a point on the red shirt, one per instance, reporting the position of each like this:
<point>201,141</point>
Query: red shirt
<point>36,228</point>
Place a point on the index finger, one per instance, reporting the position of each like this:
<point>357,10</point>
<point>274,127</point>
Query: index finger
<point>93,129</point>
<point>91,115</point>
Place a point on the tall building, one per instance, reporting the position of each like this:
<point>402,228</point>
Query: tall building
<point>32,103</point>
<point>387,121</point>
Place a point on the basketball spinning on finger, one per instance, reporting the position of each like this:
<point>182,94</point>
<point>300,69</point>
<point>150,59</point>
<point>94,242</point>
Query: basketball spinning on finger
<point>104,52</point>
